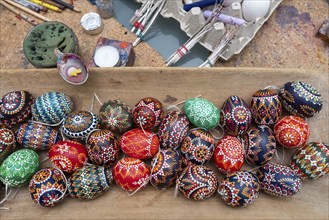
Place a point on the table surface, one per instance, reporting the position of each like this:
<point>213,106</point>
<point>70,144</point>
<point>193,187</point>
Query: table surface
<point>172,85</point>
<point>286,40</point>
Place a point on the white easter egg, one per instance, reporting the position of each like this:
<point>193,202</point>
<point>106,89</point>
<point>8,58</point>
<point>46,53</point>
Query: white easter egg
<point>252,9</point>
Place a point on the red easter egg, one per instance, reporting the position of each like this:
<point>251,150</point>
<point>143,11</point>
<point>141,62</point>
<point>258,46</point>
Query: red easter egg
<point>228,155</point>
<point>148,113</point>
<point>292,132</point>
<point>131,174</point>
<point>135,143</point>
<point>68,155</point>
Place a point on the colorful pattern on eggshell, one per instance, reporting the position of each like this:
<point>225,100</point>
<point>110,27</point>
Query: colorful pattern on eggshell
<point>52,107</point>
<point>239,188</point>
<point>202,113</point>
<point>47,187</point>
<point>311,161</point>
<point>7,143</point>
<point>197,182</point>
<point>78,125</point>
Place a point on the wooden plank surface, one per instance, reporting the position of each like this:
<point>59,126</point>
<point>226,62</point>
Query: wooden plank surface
<point>172,85</point>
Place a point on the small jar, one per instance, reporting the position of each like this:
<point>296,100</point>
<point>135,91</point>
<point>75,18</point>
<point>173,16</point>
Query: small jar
<point>105,8</point>
<point>92,23</point>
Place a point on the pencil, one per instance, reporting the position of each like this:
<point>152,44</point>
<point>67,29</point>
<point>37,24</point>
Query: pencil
<point>55,4</point>
<point>19,14</point>
<point>39,6</point>
<point>28,5</point>
<point>29,11</point>
<point>71,7</point>
<point>51,7</point>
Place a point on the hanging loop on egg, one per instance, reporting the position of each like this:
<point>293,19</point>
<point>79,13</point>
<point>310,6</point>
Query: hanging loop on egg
<point>44,160</point>
<point>211,131</point>
<point>276,88</point>
<point>66,186</point>
<point>176,192</point>
<point>244,151</point>
<point>62,134</point>
<point>152,168</point>
<point>149,136</point>
<point>139,188</point>
<point>173,107</point>
<point>281,160</point>
<point>93,101</point>
<point>9,195</point>
<point>42,123</point>
<point>252,170</point>
<point>179,103</point>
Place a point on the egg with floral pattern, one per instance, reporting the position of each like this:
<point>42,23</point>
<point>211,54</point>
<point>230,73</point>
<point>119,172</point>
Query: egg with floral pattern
<point>265,107</point>
<point>48,187</point>
<point>15,107</point>
<point>311,161</point>
<point>36,136</point>
<point>239,188</point>
<point>140,144</point>
<point>148,113</point>
<point>131,174</point>
<point>52,107</point>
<point>17,169</point>
<point>197,182</point>
<point>301,99</point>
<point>292,132</point>
<point>278,180</point>
<point>116,116</point>
<point>260,145</point>
<point>165,167</point>
<point>79,124</point>
<point>202,113</point>
<point>173,129</point>
<point>236,116</point>
<point>89,182</point>
<point>197,147</point>
<point>103,147</point>
<point>228,155</point>
<point>68,155</point>
<point>7,143</point>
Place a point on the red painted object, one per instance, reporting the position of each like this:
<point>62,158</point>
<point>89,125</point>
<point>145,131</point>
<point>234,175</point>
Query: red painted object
<point>135,143</point>
<point>131,174</point>
<point>228,155</point>
<point>292,132</point>
<point>68,155</point>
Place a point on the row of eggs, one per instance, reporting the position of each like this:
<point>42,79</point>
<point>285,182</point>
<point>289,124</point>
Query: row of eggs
<point>169,140</point>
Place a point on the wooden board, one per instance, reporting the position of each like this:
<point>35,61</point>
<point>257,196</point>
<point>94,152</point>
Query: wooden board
<point>172,85</point>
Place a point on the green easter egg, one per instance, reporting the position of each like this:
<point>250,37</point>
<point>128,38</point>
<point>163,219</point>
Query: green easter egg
<point>202,113</point>
<point>18,168</point>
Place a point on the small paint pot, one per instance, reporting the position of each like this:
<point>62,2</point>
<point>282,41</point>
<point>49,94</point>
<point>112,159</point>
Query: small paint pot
<point>71,68</point>
<point>92,23</point>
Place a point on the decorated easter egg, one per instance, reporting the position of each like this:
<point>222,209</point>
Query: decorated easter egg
<point>260,145</point>
<point>7,143</point>
<point>103,147</point>
<point>197,182</point>
<point>131,174</point>
<point>265,107</point>
<point>17,169</point>
<point>311,161</point>
<point>301,99</point>
<point>89,182</point>
<point>68,155</point>
<point>15,107</point>
<point>140,144</point>
<point>173,129</point>
<point>48,187</point>
<point>165,167</point>
<point>239,188</point>
<point>116,116</point>
<point>292,132</point>
<point>278,180</point>
<point>228,155</point>
<point>197,147</point>
<point>148,113</point>
<point>52,107</point>
<point>202,113</point>
<point>79,124</point>
<point>36,136</point>
<point>236,116</point>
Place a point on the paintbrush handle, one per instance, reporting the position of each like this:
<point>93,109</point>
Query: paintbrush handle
<point>67,5</point>
<point>29,11</point>
<point>202,4</point>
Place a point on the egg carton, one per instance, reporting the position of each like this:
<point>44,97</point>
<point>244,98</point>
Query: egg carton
<point>192,20</point>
